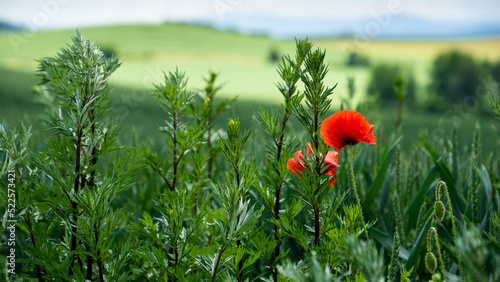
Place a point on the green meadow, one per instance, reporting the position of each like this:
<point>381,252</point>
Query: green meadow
<point>246,72</point>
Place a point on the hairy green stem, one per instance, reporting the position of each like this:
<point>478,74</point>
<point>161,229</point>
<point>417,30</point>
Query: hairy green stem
<point>441,183</point>
<point>436,238</point>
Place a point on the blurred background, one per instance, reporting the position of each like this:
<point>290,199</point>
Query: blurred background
<point>447,53</point>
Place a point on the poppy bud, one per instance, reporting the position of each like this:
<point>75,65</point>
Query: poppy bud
<point>439,210</point>
<point>430,262</point>
<point>206,105</point>
<point>233,129</point>
<point>436,277</point>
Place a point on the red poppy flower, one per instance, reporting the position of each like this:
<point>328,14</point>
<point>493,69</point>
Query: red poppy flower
<point>347,128</point>
<point>330,160</point>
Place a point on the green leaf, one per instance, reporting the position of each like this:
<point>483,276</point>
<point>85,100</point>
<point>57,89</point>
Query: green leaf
<point>486,198</point>
<point>379,179</point>
<point>387,242</point>
<point>250,261</point>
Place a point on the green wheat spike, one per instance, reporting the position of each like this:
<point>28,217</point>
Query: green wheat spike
<point>397,195</point>
<point>456,170</point>
<point>421,216</point>
<point>394,258</point>
<point>474,200</point>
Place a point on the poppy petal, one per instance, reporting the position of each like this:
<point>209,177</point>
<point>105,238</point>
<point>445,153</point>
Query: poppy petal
<point>346,128</point>
<point>293,163</point>
<point>331,161</point>
<point>297,163</point>
<point>309,149</point>
<point>332,181</point>
<point>370,138</point>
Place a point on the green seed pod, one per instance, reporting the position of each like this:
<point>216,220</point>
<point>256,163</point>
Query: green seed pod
<point>439,210</point>
<point>430,262</point>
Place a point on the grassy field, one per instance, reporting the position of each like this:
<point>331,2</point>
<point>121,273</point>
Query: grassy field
<point>242,61</point>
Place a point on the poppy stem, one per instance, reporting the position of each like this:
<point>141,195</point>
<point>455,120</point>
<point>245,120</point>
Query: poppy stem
<point>355,191</point>
<point>450,206</point>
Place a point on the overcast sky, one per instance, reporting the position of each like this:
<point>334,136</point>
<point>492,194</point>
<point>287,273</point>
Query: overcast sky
<point>275,17</point>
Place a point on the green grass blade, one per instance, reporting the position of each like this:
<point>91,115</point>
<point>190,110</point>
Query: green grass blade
<point>360,161</point>
<point>444,172</point>
<point>415,251</point>
<point>414,209</point>
<point>487,190</point>
<point>379,179</point>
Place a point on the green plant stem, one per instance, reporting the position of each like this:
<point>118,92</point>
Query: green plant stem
<point>28,219</point>
<point>355,191</point>
<point>89,263</point>
<point>217,262</point>
<point>317,239</point>
<point>454,232</point>
<point>99,261</point>
<point>32,237</point>
<point>238,242</point>
<point>400,116</point>
<point>279,148</point>
<point>76,188</point>
<point>91,182</point>
<point>94,149</point>
<point>175,162</point>
<point>315,139</point>
<point>210,153</point>
<point>433,230</point>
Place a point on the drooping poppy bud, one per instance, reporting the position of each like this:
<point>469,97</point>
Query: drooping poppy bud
<point>436,277</point>
<point>430,262</point>
<point>439,210</point>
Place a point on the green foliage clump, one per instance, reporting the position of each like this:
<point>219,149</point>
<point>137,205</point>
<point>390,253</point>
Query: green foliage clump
<point>382,83</point>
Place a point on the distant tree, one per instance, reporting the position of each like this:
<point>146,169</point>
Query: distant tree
<point>357,59</point>
<point>382,82</point>
<point>108,52</point>
<point>495,73</point>
<point>455,76</point>
<point>274,56</point>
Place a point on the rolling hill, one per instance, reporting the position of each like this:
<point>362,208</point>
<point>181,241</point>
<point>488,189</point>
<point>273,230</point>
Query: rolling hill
<point>242,61</point>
